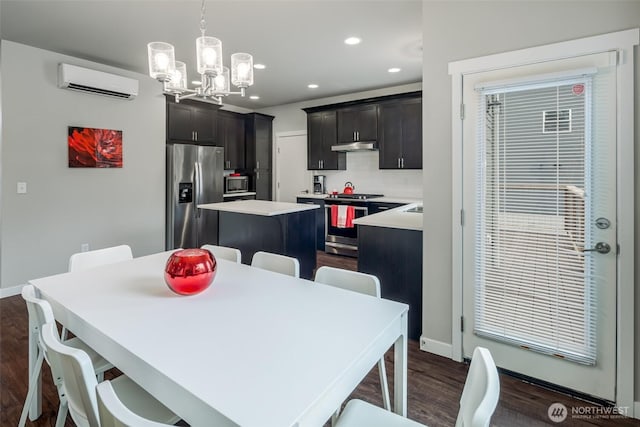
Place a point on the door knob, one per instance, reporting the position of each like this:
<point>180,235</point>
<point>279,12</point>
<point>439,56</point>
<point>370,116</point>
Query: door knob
<point>600,247</point>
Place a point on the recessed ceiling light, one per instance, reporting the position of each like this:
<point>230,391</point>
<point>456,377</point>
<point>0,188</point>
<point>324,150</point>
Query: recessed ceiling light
<point>196,82</point>
<point>352,40</point>
<point>254,97</point>
<point>312,86</point>
<point>259,66</point>
<point>394,70</point>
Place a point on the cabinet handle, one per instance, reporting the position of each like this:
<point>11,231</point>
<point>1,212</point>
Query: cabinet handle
<point>357,135</point>
<point>398,162</point>
<point>257,175</point>
<point>354,135</point>
<point>196,132</point>
<point>322,162</point>
<point>402,162</point>
<point>258,164</point>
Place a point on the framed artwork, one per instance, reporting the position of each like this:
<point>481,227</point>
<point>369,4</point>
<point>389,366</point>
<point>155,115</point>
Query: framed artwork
<point>94,148</point>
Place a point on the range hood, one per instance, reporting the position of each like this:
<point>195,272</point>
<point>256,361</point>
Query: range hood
<point>356,146</point>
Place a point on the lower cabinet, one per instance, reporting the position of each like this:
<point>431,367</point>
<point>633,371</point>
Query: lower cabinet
<point>395,257</point>
<point>320,218</point>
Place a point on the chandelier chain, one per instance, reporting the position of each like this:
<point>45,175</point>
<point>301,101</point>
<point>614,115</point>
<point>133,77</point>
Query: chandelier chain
<point>202,21</point>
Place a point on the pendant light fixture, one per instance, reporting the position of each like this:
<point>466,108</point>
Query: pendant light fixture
<point>215,78</point>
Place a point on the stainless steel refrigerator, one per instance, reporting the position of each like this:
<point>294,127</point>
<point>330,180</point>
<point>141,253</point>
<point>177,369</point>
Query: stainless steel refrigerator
<point>194,177</point>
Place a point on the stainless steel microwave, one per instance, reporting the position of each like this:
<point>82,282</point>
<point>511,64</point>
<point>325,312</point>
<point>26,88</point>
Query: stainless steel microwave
<point>236,184</point>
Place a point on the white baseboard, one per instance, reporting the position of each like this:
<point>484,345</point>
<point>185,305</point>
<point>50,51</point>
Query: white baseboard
<point>9,292</point>
<point>436,347</point>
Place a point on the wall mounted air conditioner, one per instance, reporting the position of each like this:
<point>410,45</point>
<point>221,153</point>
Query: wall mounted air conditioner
<point>97,82</point>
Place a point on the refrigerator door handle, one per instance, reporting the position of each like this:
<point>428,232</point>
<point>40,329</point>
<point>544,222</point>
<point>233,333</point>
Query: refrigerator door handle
<point>198,189</point>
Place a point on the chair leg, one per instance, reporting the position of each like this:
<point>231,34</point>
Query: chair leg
<point>384,385</point>
<point>334,417</point>
<point>63,408</point>
<point>32,389</point>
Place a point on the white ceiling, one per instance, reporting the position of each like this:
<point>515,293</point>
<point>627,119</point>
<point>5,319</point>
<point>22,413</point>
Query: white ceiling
<point>300,41</point>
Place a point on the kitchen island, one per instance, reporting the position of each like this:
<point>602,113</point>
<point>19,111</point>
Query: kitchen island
<point>390,247</point>
<point>261,225</point>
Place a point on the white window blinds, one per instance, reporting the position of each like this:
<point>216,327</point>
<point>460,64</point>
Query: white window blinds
<point>532,283</point>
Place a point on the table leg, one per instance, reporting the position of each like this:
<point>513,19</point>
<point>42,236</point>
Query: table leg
<point>400,371</point>
<point>35,408</point>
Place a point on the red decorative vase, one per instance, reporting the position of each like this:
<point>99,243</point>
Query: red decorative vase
<point>190,271</point>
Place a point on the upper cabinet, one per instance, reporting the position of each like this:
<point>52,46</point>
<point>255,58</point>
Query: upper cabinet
<point>394,122</point>
<point>321,135</point>
<point>231,136</point>
<point>191,122</point>
<point>400,134</point>
<point>358,123</point>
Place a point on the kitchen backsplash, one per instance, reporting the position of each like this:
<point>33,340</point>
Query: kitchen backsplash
<point>362,171</point>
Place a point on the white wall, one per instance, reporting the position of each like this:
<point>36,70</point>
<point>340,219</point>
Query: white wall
<point>65,207</point>
<point>466,29</point>
<point>362,167</point>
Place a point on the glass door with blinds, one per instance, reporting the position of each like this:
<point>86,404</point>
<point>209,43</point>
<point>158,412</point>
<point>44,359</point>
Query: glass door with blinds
<point>539,239</point>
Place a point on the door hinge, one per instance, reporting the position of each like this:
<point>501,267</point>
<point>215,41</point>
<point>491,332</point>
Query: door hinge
<point>617,248</point>
<point>461,323</point>
<point>462,217</point>
<point>461,111</point>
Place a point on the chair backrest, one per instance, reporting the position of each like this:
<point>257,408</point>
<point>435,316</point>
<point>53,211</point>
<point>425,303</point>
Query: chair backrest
<point>113,413</point>
<point>78,375</point>
<point>278,263</point>
<point>85,260</point>
<point>224,252</point>
<point>350,280</point>
<point>481,391</point>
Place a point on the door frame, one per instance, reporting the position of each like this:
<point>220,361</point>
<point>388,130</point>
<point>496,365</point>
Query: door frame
<point>276,166</point>
<point>623,42</point>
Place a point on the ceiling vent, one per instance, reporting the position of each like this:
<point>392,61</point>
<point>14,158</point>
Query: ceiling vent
<point>96,82</point>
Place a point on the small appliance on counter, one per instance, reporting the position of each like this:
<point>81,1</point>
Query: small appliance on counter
<point>319,184</point>
<point>236,183</point>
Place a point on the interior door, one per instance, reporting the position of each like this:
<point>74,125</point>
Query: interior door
<point>539,209</point>
<point>292,176</point>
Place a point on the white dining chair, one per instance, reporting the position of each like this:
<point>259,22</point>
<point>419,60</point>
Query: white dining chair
<point>40,313</point>
<point>365,284</point>
<point>90,259</point>
<point>114,413</point>
<point>275,262</point>
<point>224,252</point>
<point>477,403</point>
<point>80,385</point>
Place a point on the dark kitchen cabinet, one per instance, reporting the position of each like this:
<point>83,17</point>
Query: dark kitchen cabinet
<point>320,219</point>
<point>358,123</point>
<point>259,148</point>
<point>321,135</point>
<point>400,134</point>
<point>231,136</point>
<point>191,122</point>
<point>395,256</point>
<point>377,207</point>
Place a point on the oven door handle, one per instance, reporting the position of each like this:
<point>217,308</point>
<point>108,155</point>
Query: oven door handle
<point>358,208</point>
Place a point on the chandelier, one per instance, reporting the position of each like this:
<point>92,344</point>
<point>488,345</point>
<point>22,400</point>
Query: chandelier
<point>215,78</point>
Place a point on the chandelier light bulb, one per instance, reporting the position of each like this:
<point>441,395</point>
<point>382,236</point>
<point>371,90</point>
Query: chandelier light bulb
<point>179,76</point>
<point>221,81</point>
<point>242,70</point>
<point>161,60</point>
<point>209,55</point>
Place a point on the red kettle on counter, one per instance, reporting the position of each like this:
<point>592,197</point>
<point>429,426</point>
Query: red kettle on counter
<point>348,187</point>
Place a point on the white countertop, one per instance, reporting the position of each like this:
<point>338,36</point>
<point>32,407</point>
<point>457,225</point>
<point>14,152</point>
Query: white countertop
<point>246,193</point>
<point>385,199</point>
<point>259,207</point>
<point>394,218</point>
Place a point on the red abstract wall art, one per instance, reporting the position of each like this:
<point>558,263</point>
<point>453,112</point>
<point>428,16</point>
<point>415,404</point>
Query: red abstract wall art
<point>94,148</point>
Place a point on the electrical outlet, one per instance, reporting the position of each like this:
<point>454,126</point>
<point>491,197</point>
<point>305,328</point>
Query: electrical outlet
<point>22,188</point>
<point>84,247</point>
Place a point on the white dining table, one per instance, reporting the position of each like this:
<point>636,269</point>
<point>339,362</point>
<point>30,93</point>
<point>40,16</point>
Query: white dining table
<point>256,348</point>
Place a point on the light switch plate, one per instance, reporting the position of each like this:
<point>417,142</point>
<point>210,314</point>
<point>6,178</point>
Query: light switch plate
<point>22,188</point>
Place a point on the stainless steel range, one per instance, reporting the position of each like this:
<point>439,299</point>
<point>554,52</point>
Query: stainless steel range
<point>341,235</point>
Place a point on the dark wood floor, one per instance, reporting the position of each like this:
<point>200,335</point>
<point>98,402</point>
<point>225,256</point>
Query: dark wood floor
<point>435,383</point>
